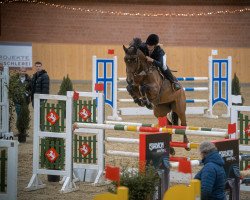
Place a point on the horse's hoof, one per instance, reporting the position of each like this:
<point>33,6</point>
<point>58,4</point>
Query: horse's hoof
<point>185,139</point>
<point>171,151</point>
<point>139,102</point>
<point>188,149</point>
<point>129,89</point>
<point>149,106</point>
<point>144,101</point>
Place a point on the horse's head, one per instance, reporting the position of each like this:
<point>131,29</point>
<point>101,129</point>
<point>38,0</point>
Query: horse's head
<point>134,58</point>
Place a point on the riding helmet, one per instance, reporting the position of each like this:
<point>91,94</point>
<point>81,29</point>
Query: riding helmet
<point>152,39</point>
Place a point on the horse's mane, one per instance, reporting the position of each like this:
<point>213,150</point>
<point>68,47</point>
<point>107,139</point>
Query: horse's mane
<point>136,42</point>
<point>134,48</point>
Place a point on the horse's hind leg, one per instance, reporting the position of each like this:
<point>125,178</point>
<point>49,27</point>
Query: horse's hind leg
<point>174,121</point>
<point>175,118</point>
<point>184,123</point>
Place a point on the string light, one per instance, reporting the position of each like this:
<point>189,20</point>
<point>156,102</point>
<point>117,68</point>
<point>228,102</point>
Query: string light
<point>138,14</point>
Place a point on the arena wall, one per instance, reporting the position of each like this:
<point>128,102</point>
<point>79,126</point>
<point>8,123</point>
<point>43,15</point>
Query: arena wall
<point>76,59</point>
<point>65,39</point>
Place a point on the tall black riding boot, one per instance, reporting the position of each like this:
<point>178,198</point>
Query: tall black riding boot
<point>168,74</point>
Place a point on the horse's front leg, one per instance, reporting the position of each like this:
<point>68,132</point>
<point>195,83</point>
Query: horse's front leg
<point>144,89</point>
<point>134,92</point>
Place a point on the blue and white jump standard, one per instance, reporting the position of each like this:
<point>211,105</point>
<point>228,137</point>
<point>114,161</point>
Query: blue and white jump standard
<point>219,87</point>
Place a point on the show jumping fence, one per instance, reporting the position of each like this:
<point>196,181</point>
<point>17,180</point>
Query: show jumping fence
<point>4,102</point>
<point>54,140</point>
<point>59,144</point>
<point>90,136</point>
<point>239,116</point>
<point>219,87</point>
<point>8,169</point>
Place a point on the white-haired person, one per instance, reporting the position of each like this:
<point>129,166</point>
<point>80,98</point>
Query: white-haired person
<point>212,175</point>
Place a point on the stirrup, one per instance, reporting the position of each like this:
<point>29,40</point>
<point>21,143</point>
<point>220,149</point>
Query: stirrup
<point>175,86</point>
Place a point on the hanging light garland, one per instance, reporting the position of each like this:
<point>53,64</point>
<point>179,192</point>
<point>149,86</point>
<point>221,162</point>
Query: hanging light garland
<point>120,13</point>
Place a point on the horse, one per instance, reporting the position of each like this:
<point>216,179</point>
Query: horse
<point>148,87</point>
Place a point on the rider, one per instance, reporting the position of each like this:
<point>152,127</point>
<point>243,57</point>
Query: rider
<point>154,53</point>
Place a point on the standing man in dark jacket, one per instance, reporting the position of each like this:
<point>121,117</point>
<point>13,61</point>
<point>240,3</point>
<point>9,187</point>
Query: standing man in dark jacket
<point>40,81</point>
<point>155,54</point>
<point>212,175</point>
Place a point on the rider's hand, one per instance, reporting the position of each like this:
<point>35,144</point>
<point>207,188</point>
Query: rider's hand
<point>149,59</point>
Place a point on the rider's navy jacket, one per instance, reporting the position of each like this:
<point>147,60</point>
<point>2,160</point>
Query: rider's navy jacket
<point>157,55</point>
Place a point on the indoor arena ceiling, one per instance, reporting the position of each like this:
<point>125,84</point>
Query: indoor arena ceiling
<point>159,2</point>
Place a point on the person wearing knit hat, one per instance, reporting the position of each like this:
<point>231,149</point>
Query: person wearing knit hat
<point>155,54</point>
<point>212,175</point>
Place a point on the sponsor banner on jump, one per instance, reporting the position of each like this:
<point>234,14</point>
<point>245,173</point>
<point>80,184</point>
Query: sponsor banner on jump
<point>16,54</point>
<point>153,148</point>
<point>229,151</point>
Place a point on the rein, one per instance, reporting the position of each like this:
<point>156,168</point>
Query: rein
<point>140,69</point>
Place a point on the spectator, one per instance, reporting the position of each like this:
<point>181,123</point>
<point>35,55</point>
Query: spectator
<point>212,175</point>
<point>1,67</point>
<point>24,86</point>
<point>40,81</point>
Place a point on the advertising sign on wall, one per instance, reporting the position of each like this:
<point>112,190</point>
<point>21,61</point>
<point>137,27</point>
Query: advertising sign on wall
<point>16,54</point>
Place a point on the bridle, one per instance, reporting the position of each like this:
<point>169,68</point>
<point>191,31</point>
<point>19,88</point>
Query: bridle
<point>135,60</point>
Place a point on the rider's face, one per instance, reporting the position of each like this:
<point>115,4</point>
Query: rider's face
<point>150,47</point>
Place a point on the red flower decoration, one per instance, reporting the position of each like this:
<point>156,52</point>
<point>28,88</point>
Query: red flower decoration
<point>247,130</point>
<point>99,87</point>
<point>51,155</point>
<point>85,149</point>
<point>52,117</point>
<point>75,96</point>
<point>84,113</point>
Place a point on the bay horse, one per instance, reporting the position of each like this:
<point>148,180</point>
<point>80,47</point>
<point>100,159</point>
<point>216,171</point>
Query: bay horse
<point>149,88</point>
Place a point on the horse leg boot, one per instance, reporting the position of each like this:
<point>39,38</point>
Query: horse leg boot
<point>183,123</point>
<point>144,89</point>
<point>131,90</point>
<point>175,120</point>
<point>173,80</point>
<point>171,149</point>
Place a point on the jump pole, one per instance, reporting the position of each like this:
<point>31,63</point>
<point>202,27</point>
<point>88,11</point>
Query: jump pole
<point>136,141</point>
<point>168,126</point>
<point>150,129</point>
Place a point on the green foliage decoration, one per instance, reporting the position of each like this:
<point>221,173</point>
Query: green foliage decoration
<point>23,120</point>
<point>15,95</point>
<point>236,88</point>
<point>15,89</point>
<point>66,85</point>
<point>141,185</point>
<point>236,85</point>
